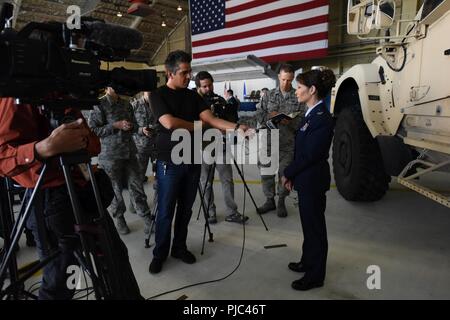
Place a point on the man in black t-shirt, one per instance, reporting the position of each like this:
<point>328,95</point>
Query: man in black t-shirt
<point>176,107</point>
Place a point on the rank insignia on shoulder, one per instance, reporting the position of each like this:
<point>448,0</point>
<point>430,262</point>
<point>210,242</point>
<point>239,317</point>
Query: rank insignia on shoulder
<point>304,127</point>
<point>319,113</point>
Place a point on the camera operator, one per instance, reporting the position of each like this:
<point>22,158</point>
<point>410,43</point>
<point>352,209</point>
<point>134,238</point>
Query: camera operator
<point>26,142</point>
<point>225,110</point>
<point>176,107</point>
<point>114,122</point>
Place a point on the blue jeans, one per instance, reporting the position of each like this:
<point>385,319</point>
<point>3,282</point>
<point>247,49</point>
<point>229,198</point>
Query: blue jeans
<point>58,221</point>
<point>177,186</point>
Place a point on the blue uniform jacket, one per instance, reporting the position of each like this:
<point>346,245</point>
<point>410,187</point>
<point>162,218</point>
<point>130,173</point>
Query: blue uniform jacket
<point>310,170</point>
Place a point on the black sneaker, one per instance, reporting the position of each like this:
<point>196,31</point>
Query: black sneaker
<point>185,256</point>
<point>236,217</point>
<point>155,266</point>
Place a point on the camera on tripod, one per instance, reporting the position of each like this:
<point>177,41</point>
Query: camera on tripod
<point>217,104</point>
<point>50,64</point>
<point>221,108</point>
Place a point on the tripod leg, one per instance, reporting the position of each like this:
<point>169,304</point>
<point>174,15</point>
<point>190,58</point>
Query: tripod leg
<point>16,287</point>
<point>202,192</point>
<point>31,272</point>
<point>211,169</point>
<point>112,264</point>
<point>6,222</point>
<point>207,226</point>
<point>22,210</point>
<point>152,226</point>
<point>203,240</point>
<point>210,181</point>
<point>19,229</point>
<point>99,288</point>
<point>112,278</point>
<point>248,190</point>
<point>205,210</point>
<point>153,213</point>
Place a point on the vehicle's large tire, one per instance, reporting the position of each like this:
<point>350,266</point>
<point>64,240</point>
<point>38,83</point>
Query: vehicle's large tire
<point>357,161</point>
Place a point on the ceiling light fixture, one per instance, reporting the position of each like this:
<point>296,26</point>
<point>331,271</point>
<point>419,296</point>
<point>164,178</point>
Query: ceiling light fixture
<point>163,18</point>
<point>119,14</point>
<point>179,8</point>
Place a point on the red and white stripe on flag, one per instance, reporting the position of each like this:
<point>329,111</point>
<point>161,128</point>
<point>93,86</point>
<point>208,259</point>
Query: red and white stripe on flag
<point>273,30</point>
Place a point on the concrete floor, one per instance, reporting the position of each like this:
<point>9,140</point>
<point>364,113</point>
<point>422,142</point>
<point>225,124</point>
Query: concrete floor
<point>405,234</point>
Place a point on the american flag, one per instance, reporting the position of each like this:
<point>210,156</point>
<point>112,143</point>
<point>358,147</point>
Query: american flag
<point>273,30</point>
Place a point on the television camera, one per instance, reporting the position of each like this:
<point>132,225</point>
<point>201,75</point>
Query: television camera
<point>50,64</point>
<point>220,107</point>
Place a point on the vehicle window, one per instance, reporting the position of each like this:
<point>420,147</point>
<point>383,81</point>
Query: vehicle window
<point>429,6</point>
<point>388,9</point>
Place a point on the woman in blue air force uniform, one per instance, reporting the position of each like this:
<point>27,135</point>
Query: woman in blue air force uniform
<point>309,174</point>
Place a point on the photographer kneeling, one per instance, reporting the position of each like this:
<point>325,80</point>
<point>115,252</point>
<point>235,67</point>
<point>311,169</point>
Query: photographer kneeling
<point>26,142</point>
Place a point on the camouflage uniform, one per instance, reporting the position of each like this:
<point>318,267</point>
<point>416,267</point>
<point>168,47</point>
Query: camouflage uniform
<point>282,103</point>
<point>262,114</point>
<point>118,155</point>
<point>144,118</point>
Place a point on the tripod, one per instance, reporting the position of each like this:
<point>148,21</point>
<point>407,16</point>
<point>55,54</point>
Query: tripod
<point>206,208</point>
<point>92,246</point>
<point>210,174</point>
<point>6,225</point>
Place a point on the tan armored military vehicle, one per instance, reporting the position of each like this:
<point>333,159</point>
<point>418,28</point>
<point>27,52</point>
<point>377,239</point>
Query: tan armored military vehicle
<point>393,115</point>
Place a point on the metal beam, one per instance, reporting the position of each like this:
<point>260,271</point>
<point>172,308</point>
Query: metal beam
<point>17,5</point>
<point>89,6</point>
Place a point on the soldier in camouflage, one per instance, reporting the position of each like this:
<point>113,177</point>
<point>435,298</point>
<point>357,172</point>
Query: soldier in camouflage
<point>144,137</point>
<point>261,108</point>
<point>114,123</point>
<point>281,100</point>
